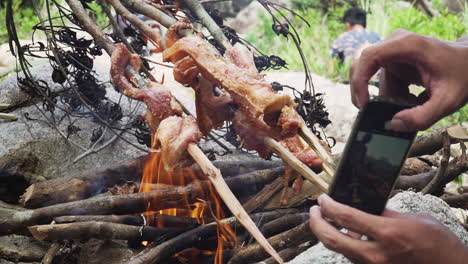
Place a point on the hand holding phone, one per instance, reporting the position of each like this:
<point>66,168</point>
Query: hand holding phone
<point>372,159</point>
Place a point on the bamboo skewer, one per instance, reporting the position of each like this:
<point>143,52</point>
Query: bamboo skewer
<point>4,106</point>
<point>228,197</point>
<point>8,116</point>
<point>296,164</point>
<point>314,143</point>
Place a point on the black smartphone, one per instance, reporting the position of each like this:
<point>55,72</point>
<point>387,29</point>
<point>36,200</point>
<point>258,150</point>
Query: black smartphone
<point>372,158</point>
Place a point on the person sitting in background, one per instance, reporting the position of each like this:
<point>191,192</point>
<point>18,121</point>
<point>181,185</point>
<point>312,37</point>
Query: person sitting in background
<point>349,45</point>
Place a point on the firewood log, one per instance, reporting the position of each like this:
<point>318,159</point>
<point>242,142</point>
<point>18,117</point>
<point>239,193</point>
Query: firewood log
<point>16,221</point>
<point>161,252</point>
<point>102,230</point>
<point>135,220</point>
<point>287,239</point>
<point>90,183</point>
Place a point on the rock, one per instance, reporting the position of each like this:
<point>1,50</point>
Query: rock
<point>31,150</point>
<point>21,248</point>
<point>97,251</point>
<point>337,98</point>
<point>405,202</point>
<point>248,18</point>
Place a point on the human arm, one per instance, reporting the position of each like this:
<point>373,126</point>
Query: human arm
<point>393,237</point>
<point>407,58</point>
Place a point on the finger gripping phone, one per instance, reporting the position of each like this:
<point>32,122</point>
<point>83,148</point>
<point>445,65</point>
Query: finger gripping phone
<point>372,158</point>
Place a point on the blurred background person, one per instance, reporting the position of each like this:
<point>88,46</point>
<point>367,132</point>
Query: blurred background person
<point>349,45</point>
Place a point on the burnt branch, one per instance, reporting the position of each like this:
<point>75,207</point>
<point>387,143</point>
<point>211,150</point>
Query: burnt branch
<point>160,253</point>
<point>290,238</point>
<point>438,180</point>
<point>101,230</point>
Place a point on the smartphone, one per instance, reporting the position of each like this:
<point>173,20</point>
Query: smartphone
<point>372,158</point>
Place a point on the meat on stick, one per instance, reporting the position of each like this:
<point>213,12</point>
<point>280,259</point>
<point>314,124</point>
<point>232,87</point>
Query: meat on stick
<point>165,119</point>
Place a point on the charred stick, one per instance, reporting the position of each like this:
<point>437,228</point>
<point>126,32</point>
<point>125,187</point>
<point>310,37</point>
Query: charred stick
<point>118,204</point>
<point>101,230</point>
<point>16,221</point>
<point>161,252</point>
<point>85,185</point>
<point>428,143</point>
<point>284,223</point>
<point>264,195</point>
<point>456,167</point>
<point>229,199</point>
<point>90,183</point>
<point>438,179</point>
<point>457,201</point>
<point>135,220</point>
<point>289,253</point>
<point>287,239</point>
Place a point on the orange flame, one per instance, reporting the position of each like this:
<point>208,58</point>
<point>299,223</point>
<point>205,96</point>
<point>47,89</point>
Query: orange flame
<point>156,177</point>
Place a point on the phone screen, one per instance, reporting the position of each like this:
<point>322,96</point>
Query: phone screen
<point>372,158</point>
<point>370,170</point>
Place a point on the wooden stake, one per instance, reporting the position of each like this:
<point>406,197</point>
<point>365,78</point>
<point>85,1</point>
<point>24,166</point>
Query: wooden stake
<point>296,164</point>
<point>229,199</point>
<point>314,143</point>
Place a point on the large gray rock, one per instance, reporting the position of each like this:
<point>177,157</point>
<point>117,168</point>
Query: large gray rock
<point>35,150</point>
<point>405,202</point>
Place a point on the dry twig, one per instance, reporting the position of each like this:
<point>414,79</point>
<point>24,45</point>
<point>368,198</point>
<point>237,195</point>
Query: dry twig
<point>438,179</point>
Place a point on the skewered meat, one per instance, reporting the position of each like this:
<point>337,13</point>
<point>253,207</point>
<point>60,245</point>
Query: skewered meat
<point>171,131</point>
<point>262,112</point>
<point>212,109</point>
<point>254,95</point>
<point>243,58</point>
<point>173,136</point>
<point>159,100</point>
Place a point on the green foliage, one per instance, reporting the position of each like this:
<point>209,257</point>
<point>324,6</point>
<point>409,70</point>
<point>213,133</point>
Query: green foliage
<point>316,41</point>
<point>305,4</point>
<point>98,14</point>
<point>458,118</point>
<point>384,17</point>
<point>24,18</point>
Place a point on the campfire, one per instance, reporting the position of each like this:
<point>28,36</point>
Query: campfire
<point>176,205</point>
